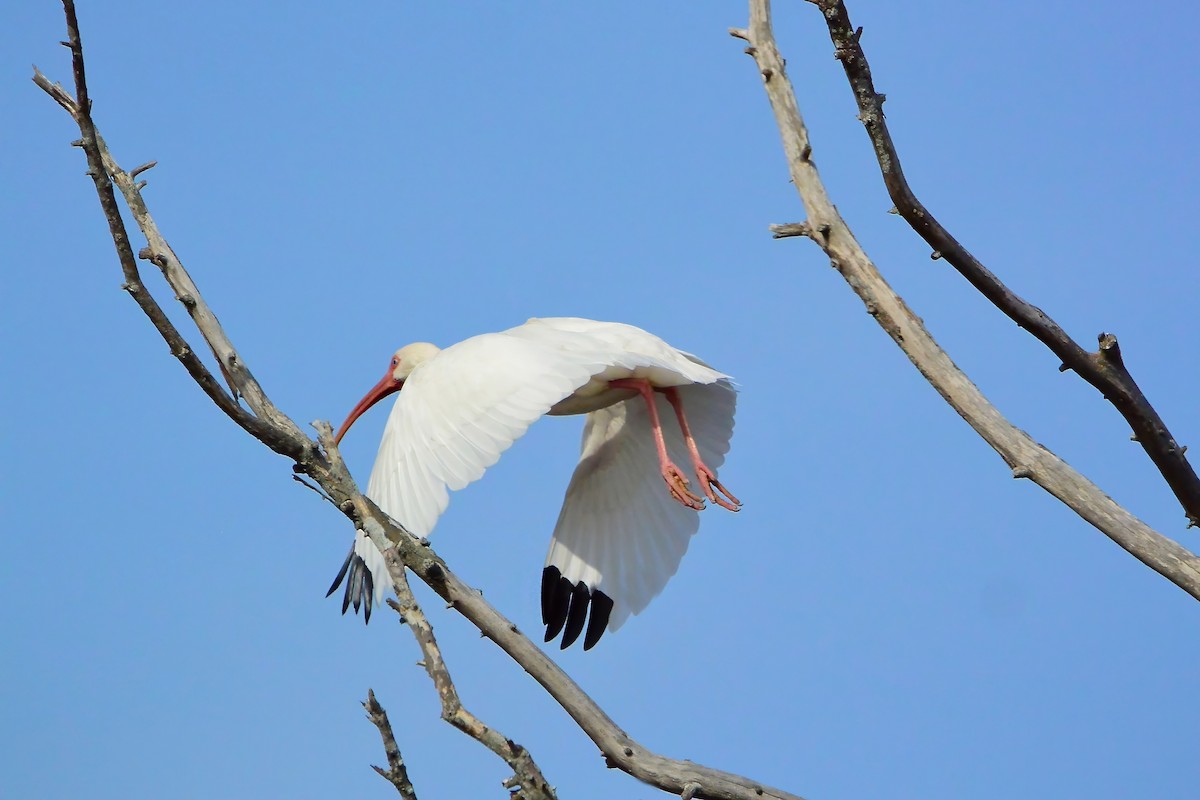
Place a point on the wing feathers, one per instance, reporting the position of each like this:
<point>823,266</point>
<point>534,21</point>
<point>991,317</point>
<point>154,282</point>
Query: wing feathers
<point>458,412</point>
<point>580,598</point>
<point>556,600</point>
<point>620,533</point>
<point>602,606</point>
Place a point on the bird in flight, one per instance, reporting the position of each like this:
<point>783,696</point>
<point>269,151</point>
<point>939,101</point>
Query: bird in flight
<point>621,533</point>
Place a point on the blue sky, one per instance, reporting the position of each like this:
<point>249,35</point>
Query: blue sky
<point>890,616</point>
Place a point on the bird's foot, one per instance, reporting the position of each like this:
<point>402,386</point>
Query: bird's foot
<point>709,482</point>
<point>679,487</point>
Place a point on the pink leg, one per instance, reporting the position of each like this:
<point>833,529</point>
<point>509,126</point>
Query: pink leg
<point>708,480</point>
<point>670,473</point>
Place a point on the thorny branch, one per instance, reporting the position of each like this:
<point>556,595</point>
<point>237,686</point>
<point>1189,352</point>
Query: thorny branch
<point>396,773</point>
<point>323,464</point>
<point>829,231</point>
<point>1103,369</point>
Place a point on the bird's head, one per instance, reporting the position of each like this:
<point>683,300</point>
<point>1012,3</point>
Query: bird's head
<point>405,360</point>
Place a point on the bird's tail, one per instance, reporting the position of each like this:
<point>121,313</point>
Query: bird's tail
<point>366,576</point>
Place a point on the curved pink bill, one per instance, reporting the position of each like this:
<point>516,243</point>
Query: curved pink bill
<point>388,385</point>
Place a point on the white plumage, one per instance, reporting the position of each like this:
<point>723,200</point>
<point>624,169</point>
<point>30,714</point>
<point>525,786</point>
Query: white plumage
<point>621,533</point>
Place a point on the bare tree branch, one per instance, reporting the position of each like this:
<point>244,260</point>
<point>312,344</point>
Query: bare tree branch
<point>396,773</point>
<point>101,166</point>
<point>325,467</point>
<point>1103,369</point>
<point>1027,458</point>
<point>526,773</point>
<point>96,151</point>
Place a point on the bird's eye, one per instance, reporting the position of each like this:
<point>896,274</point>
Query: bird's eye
<point>395,362</point>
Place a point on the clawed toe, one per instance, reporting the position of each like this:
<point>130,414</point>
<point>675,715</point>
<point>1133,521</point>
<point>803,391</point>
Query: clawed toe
<point>679,488</point>
<point>722,496</point>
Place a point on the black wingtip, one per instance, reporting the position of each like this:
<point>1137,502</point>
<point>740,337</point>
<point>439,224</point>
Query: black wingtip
<point>368,595</point>
<point>550,576</point>
<point>341,573</point>
<point>354,585</point>
<point>556,601</point>
<point>602,606</point>
<point>565,609</point>
<point>360,585</point>
<point>580,599</point>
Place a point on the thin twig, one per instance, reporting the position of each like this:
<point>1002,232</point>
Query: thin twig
<point>1027,458</point>
<point>310,485</point>
<point>526,773</point>
<point>396,773</point>
<point>1112,379</point>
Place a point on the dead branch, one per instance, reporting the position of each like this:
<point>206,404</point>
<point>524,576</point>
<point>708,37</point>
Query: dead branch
<point>325,467</point>
<point>396,773</point>
<point>1107,374</point>
<point>527,781</point>
<point>829,231</point>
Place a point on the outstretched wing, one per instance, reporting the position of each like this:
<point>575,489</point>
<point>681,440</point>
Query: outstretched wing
<point>458,412</point>
<point>454,417</point>
<point>620,535</point>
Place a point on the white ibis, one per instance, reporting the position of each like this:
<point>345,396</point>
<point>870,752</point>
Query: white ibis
<point>621,533</point>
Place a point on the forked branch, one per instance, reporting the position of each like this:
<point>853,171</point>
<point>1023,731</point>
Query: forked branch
<point>527,781</point>
<point>397,772</point>
<point>829,231</point>
<point>1101,369</point>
